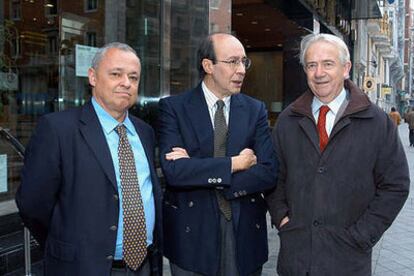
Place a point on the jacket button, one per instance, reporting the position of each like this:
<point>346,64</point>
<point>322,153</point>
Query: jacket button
<point>214,180</point>
<point>373,240</point>
<point>113,228</point>
<point>321,169</point>
<point>116,197</point>
<point>110,257</point>
<point>258,226</point>
<point>252,200</point>
<point>219,180</point>
<point>236,194</point>
<point>187,229</point>
<point>209,180</point>
<point>316,223</point>
<point>190,204</point>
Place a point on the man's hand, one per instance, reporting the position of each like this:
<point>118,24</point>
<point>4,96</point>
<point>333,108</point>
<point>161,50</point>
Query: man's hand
<point>243,161</point>
<point>176,153</point>
<point>283,222</point>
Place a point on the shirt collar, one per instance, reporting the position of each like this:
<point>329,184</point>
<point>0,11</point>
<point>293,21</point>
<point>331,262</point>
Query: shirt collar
<point>108,122</point>
<point>211,99</point>
<point>334,105</point>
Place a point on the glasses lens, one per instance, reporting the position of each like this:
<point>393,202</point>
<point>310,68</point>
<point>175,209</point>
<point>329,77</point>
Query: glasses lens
<point>247,62</point>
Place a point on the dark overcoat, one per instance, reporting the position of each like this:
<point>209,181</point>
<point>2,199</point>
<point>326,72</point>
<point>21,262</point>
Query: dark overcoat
<point>339,201</point>
<point>191,214</point>
<point>68,197</point>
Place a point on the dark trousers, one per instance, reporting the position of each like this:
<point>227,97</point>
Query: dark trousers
<point>228,263</point>
<point>143,270</point>
<point>411,136</point>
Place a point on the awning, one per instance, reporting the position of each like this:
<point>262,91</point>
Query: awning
<point>366,9</point>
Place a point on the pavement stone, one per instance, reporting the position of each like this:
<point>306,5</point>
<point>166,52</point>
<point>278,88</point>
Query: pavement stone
<point>393,255</point>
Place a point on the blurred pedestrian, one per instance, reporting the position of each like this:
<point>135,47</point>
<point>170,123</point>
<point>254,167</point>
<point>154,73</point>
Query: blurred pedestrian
<point>395,116</point>
<point>331,210</point>
<point>410,121</point>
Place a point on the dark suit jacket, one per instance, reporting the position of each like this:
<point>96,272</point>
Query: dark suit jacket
<point>68,197</point>
<point>191,213</point>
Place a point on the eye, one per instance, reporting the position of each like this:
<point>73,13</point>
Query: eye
<point>311,66</point>
<point>233,61</point>
<point>328,64</point>
<point>115,74</point>
<point>133,78</point>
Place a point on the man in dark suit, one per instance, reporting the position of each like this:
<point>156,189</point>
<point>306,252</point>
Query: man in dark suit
<point>76,189</point>
<point>218,159</point>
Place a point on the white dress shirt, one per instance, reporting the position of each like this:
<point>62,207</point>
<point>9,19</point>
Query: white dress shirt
<point>334,107</point>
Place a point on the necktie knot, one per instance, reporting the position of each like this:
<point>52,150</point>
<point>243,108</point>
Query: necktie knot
<point>323,110</point>
<point>220,104</point>
<point>121,130</point>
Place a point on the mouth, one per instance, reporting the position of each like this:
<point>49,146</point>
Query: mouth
<point>237,83</point>
<point>123,93</point>
<point>321,82</point>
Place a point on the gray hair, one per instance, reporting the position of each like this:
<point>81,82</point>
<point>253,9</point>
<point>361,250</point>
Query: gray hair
<point>309,39</point>
<point>102,51</point>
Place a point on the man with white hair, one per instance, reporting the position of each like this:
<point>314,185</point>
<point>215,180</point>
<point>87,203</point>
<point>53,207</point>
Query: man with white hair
<point>343,174</point>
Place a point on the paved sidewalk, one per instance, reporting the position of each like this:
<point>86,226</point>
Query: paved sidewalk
<point>394,253</point>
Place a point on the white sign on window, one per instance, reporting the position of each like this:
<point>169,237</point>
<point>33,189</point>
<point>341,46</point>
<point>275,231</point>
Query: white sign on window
<point>3,173</point>
<point>84,56</point>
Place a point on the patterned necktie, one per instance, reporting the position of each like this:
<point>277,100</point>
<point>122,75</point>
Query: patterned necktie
<point>323,135</point>
<point>220,140</point>
<point>135,233</point>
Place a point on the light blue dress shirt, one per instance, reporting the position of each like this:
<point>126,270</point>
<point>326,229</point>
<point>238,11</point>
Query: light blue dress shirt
<point>109,124</point>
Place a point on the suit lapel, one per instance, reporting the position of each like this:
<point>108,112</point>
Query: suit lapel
<point>92,132</point>
<point>199,116</point>
<point>238,126</point>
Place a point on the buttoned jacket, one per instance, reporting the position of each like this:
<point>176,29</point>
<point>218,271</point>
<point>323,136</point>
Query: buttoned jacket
<point>69,198</point>
<point>191,225</point>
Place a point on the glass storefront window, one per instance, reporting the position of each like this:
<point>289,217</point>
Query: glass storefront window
<point>46,47</point>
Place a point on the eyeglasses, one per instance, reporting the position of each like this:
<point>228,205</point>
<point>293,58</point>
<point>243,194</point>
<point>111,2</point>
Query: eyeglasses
<point>234,63</point>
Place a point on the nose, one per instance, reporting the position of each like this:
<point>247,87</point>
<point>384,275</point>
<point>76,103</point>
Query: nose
<point>241,68</point>
<point>125,81</point>
<point>319,70</point>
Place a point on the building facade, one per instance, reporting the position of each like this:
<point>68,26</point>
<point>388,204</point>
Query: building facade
<point>46,47</point>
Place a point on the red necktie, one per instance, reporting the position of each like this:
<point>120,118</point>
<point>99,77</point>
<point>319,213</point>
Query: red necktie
<point>323,135</point>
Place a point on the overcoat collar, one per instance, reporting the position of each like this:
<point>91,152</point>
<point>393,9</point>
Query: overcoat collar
<point>358,106</point>
<point>358,101</point>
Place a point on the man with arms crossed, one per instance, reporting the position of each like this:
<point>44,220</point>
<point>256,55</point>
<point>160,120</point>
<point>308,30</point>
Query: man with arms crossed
<point>218,159</point>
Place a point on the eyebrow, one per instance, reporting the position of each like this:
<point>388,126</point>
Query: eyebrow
<point>325,60</point>
<point>122,70</point>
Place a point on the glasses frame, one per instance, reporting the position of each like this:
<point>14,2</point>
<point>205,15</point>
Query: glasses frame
<point>247,62</point>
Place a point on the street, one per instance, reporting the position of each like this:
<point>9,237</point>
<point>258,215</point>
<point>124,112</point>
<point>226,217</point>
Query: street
<point>394,253</point>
